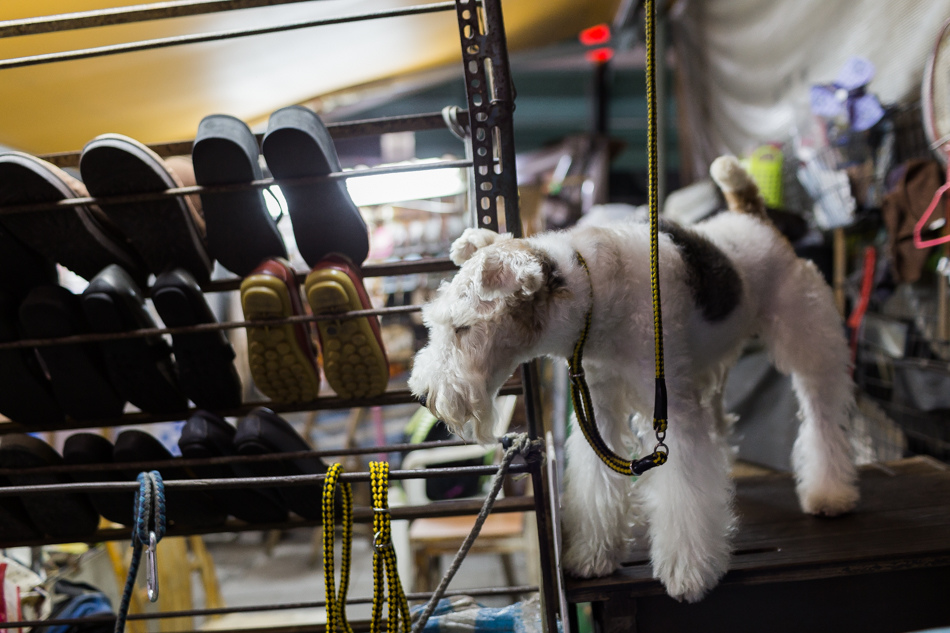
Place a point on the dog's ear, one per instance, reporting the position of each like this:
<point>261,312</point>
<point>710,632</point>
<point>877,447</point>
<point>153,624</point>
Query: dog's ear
<point>471,240</point>
<point>505,272</point>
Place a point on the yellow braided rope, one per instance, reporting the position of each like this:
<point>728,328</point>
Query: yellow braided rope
<point>336,602</point>
<point>580,394</point>
<point>384,558</point>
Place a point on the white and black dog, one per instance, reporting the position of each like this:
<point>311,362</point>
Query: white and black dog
<point>722,281</point>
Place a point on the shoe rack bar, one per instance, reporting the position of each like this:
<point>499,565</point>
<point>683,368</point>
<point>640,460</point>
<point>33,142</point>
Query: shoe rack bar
<point>247,482</point>
<point>128,15</point>
<point>188,462</point>
<point>264,183</point>
<point>480,592</point>
<point>349,129</point>
<point>205,327</point>
<point>362,514</point>
<point>181,40</point>
<point>397,396</point>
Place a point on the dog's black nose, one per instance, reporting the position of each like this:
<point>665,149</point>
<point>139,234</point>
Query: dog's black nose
<point>422,400</point>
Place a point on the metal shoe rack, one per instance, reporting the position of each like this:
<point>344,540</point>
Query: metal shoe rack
<point>489,137</point>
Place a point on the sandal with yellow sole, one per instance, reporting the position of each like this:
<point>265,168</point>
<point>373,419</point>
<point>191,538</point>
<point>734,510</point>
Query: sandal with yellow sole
<point>354,360</point>
<point>282,357</point>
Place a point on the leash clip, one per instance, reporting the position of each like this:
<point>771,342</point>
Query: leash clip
<point>378,544</point>
<point>151,566</point>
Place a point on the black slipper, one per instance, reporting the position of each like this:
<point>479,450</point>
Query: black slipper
<point>190,508</point>
<point>26,395</point>
<point>263,432</point>
<point>15,524</point>
<point>92,448</point>
<point>167,233</point>
<point>141,368</point>
<point>325,220</point>
<point>77,371</point>
<point>57,515</point>
<point>80,238</point>
<point>208,435</point>
<point>22,268</point>
<point>205,360</point>
<point>241,231</point>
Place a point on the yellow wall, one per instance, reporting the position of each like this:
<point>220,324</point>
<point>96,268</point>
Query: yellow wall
<point>161,95</point>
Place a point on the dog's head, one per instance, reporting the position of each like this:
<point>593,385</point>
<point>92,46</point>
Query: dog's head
<point>482,325</point>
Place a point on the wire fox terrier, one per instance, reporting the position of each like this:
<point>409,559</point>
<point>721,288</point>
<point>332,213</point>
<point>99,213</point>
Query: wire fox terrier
<point>723,281</point>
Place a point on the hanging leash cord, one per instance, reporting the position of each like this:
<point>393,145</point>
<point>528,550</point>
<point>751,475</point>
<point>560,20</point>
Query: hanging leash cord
<point>384,558</point>
<point>514,444</point>
<point>148,530</point>
<point>580,393</point>
<point>336,602</point>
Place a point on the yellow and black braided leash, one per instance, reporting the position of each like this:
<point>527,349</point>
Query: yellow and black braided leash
<point>384,558</point>
<point>336,601</point>
<point>580,394</point>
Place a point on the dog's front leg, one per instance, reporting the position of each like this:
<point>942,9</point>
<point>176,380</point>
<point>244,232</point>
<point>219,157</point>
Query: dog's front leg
<point>596,505</point>
<point>688,502</point>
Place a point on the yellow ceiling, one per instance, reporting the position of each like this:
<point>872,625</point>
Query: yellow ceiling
<point>161,95</point>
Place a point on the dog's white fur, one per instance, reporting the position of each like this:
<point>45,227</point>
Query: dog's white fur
<point>517,299</point>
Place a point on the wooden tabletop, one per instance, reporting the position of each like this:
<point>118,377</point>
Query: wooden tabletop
<point>902,522</point>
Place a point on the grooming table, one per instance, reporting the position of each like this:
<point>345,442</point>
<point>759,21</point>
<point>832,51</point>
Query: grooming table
<point>884,567</point>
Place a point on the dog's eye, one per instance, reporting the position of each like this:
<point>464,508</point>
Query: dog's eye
<point>462,329</point>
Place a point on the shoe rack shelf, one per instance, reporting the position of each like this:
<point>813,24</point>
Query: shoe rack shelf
<point>489,140</point>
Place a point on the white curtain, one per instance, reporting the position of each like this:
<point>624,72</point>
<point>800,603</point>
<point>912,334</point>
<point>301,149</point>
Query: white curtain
<point>747,65</point>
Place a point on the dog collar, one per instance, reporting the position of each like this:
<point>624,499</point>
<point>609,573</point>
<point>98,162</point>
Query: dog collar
<point>584,408</point>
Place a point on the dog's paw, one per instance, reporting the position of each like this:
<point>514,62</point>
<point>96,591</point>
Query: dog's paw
<point>687,578</point>
<point>584,561</point>
<point>829,501</point>
<point>470,241</point>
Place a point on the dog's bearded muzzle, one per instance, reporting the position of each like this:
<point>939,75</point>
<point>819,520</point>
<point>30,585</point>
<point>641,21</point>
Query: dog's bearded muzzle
<point>466,417</point>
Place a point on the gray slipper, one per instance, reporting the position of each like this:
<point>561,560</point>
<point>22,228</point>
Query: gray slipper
<point>297,144</point>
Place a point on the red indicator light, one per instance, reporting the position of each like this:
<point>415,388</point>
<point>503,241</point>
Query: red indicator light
<point>595,35</point>
<point>600,55</point>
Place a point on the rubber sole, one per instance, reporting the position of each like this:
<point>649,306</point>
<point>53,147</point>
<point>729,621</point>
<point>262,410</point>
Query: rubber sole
<point>280,368</point>
<point>164,232</point>
<point>264,432</point>
<point>354,362</point>
<point>77,371</point>
<point>241,231</point>
<point>193,508</point>
<point>207,435</point>
<point>205,360</point>
<point>72,236</point>
<point>325,220</point>
<point>141,369</point>
<point>55,515</point>
<point>26,395</point>
<point>90,448</point>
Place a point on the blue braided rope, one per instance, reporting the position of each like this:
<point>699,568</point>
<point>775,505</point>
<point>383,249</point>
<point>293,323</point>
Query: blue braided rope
<point>149,509</point>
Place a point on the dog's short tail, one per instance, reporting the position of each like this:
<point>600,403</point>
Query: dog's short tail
<point>741,192</point>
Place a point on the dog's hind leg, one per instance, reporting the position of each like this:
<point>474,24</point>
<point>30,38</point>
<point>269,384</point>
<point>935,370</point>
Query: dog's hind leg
<point>596,504</point>
<point>806,338</point>
<point>688,502</point>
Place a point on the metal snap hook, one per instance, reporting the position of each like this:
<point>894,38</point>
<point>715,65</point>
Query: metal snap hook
<point>151,567</point>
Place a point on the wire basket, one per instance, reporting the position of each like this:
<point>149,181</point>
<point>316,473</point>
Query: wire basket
<point>905,374</point>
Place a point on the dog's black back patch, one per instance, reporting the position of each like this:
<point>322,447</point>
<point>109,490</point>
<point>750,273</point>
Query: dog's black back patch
<point>712,279</point>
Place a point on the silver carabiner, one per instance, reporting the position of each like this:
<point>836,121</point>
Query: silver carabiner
<point>151,567</point>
